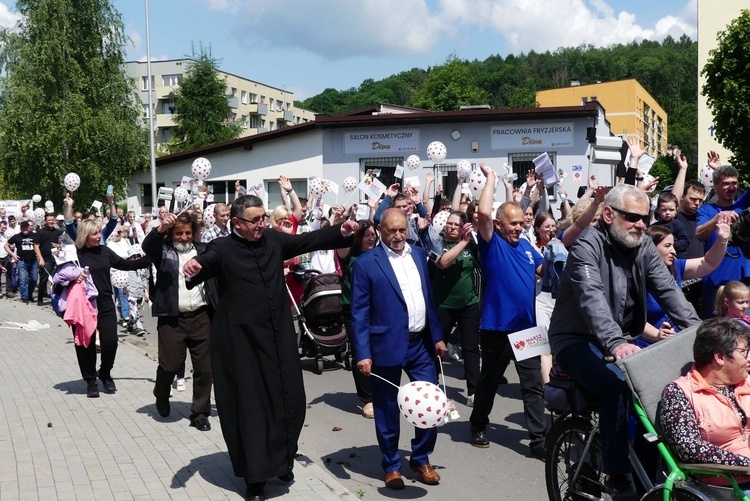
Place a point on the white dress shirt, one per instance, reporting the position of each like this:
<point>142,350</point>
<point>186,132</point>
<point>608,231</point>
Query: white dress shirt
<point>410,283</point>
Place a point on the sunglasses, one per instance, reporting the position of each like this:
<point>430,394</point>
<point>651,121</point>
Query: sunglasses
<point>632,217</point>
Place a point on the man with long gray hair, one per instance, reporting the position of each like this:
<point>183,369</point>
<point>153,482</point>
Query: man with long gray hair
<point>601,309</point>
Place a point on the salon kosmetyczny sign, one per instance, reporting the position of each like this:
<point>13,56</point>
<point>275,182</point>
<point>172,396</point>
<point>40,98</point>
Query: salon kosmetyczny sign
<point>381,141</point>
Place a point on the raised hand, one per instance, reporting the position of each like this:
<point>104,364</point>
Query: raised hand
<point>636,151</point>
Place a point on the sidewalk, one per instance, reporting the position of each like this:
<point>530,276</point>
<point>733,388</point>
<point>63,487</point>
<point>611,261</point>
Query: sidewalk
<point>57,444</point>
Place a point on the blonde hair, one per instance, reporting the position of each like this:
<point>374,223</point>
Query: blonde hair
<point>728,291</point>
<point>579,208</point>
<point>280,212</point>
<point>86,228</point>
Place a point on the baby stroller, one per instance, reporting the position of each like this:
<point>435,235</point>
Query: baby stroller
<point>320,318</point>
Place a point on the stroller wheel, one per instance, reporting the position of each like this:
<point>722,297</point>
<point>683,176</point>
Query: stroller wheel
<point>348,361</point>
<point>318,366</point>
<point>339,357</point>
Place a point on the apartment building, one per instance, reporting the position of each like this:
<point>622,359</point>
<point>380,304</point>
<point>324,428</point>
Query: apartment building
<point>630,109</point>
<point>259,107</point>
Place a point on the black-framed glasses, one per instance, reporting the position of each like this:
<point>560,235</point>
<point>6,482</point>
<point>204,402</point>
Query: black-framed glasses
<point>255,220</point>
<point>632,217</point>
<point>743,351</point>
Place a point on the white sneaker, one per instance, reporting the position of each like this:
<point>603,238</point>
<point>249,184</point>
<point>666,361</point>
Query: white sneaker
<point>180,385</point>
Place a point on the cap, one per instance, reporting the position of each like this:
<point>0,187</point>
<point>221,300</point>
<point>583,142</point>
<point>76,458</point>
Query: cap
<point>60,217</point>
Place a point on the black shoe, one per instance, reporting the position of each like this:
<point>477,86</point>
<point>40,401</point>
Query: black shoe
<point>478,439</point>
<point>162,407</point>
<point>503,380</point>
<point>200,423</point>
<point>254,491</point>
<point>92,389</point>
<point>25,301</point>
<point>286,477</point>
<point>40,303</point>
<point>537,452</point>
<point>109,385</point>
<point>620,488</point>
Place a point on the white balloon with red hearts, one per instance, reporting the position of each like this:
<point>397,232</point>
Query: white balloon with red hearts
<point>209,215</point>
<point>464,169</point>
<point>707,176</point>
<point>180,194</point>
<point>350,184</point>
<point>438,222</point>
<point>436,151</point>
<point>413,162</point>
<point>120,279</point>
<point>72,181</point>
<point>422,404</point>
<point>201,168</point>
<point>477,180</point>
<point>648,178</point>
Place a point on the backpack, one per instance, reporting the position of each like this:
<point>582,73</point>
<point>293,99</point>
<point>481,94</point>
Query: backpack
<point>555,257</point>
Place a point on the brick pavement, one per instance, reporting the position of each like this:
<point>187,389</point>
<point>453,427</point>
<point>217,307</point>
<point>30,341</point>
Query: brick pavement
<point>57,444</point>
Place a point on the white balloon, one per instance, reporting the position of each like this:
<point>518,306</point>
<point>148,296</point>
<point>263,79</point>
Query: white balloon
<point>477,180</point>
<point>120,279</point>
<point>436,151</point>
<point>36,199</point>
<point>316,188</point>
<point>464,169</point>
<point>350,184</point>
<point>72,181</point>
<point>48,204</point>
<point>438,222</point>
<point>181,194</point>
<point>38,215</point>
<point>49,207</point>
<point>412,162</point>
<point>422,404</point>
<point>201,168</point>
<point>647,178</point>
<point>209,216</point>
<point>707,177</point>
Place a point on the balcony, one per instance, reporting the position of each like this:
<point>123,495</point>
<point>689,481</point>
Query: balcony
<point>256,130</point>
<point>286,116</point>
<point>233,102</point>
<point>258,109</point>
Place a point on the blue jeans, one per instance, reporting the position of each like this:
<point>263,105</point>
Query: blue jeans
<point>584,362</point>
<point>124,306</point>
<point>27,274</point>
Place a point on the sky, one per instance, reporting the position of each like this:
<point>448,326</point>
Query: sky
<point>306,46</point>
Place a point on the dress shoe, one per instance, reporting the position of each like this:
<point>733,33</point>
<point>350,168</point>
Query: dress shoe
<point>200,423</point>
<point>428,475</point>
<point>368,411</point>
<point>92,389</point>
<point>478,439</point>
<point>254,491</point>
<point>109,385</point>
<point>394,481</point>
<point>286,477</point>
<point>162,407</point>
<point>537,452</point>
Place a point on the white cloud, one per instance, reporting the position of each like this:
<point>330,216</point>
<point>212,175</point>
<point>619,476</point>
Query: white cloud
<point>136,41</point>
<point>8,19</point>
<point>337,29</point>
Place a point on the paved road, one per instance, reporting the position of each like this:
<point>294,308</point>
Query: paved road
<point>352,456</point>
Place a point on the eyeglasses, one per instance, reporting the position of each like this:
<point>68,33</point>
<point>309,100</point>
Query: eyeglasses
<point>255,220</point>
<point>743,351</point>
<point>632,217</point>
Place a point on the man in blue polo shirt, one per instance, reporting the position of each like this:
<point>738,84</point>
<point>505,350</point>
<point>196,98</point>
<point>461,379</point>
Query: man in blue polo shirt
<point>734,266</point>
<point>509,267</point>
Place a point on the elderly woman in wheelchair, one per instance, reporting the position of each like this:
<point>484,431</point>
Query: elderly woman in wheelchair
<point>704,414</point>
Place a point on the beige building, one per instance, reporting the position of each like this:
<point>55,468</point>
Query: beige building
<point>259,107</point>
<point>711,20</point>
<point>630,109</point>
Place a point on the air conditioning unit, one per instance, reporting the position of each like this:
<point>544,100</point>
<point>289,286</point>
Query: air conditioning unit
<point>607,150</point>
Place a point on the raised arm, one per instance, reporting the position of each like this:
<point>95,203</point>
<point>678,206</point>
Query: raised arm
<point>429,179</point>
<point>678,188</point>
<point>456,201</point>
<point>699,267</point>
<point>486,223</point>
<point>287,190</point>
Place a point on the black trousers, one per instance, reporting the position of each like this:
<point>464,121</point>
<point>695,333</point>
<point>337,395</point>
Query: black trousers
<point>7,263</point>
<point>176,334</point>
<point>496,355</point>
<point>44,276</point>
<point>467,319</point>
<point>107,326</point>
<point>361,382</point>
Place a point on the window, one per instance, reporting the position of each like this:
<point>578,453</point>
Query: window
<point>253,97</point>
<point>254,121</point>
<point>223,191</point>
<point>263,123</point>
<point>584,100</point>
<point>271,103</point>
<point>243,118</point>
<point>166,134</point>
<point>594,99</point>
<point>171,80</point>
<point>144,83</point>
<point>387,168</point>
<point>274,191</point>
<point>146,114</point>
<point>287,106</point>
<point>231,91</point>
<point>279,106</point>
<point>262,99</point>
<point>145,190</point>
<point>243,97</point>
<point>522,163</point>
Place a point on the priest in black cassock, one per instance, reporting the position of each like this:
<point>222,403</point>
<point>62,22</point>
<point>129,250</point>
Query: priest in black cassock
<point>258,383</point>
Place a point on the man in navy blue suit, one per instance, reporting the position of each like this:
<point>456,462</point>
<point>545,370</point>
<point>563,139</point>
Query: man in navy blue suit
<point>396,328</point>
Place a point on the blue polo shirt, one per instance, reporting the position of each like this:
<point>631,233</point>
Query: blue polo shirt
<point>509,278</point>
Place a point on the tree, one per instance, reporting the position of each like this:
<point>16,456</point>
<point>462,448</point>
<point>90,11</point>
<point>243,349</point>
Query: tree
<point>202,114</point>
<point>67,105</point>
<point>727,88</point>
<point>448,87</point>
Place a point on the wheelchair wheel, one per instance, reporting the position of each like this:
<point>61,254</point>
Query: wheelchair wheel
<point>564,452</point>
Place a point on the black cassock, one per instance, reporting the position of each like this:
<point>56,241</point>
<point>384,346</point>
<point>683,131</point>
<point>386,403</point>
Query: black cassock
<point>260,396</point>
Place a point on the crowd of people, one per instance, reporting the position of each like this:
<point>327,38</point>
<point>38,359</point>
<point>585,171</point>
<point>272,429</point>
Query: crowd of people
<point>606,276</point>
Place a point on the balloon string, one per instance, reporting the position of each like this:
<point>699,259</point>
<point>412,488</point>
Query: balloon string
<point>384,379</point>
<point>442,373</point>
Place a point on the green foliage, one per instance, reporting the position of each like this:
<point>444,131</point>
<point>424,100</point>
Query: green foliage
<point>667,70</point>
<point>727,88</point>
<point>203,115</point>
<point>67,105</point>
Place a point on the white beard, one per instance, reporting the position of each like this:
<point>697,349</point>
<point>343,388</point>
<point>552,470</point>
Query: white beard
<point>186,247</point>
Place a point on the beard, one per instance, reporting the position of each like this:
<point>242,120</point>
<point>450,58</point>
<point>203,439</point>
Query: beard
<point>629,239</point>
<point>183,247</point>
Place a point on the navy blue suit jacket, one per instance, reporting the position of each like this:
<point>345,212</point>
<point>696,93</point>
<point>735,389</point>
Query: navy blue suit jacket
<point>379,317</point>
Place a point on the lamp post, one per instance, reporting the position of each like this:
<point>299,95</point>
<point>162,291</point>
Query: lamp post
<point>151,112</point>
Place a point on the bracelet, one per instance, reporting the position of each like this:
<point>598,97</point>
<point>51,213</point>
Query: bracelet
<point>289,191</point>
